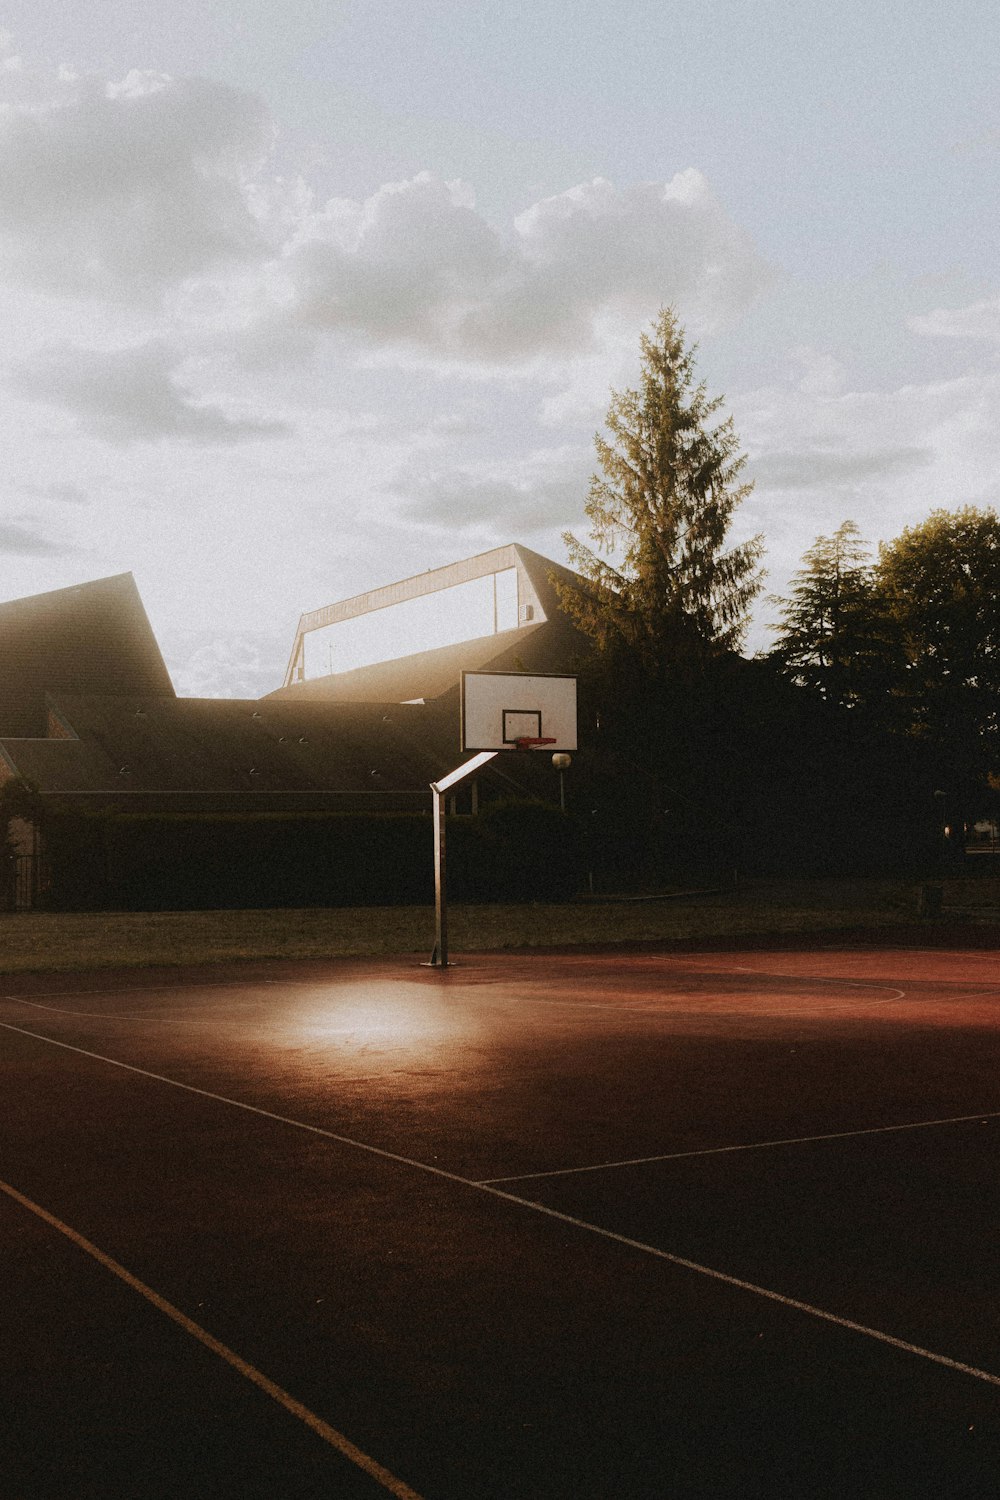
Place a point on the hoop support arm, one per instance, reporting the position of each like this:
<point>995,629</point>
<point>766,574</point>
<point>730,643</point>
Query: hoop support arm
<point>439,957</point>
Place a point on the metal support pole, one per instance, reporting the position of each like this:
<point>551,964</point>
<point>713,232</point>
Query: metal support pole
<point>439,957</point>
<point>562,763</point>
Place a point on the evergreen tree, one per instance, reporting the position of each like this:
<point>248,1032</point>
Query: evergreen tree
<point>663,589</point>
<point>836,637</point>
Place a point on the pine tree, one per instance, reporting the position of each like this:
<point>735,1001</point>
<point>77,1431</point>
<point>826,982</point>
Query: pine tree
<point>835,637</point>
<point>666,593</point>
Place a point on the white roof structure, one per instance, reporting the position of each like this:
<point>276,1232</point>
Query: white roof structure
<point>497,611</point>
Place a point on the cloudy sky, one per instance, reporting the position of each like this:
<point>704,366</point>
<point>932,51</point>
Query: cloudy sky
<point>302,296</point>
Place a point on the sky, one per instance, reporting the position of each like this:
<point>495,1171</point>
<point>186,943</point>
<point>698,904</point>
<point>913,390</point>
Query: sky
<point>301,298</point>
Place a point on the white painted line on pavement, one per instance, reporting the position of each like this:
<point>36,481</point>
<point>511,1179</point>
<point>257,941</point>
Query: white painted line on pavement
<point>878,1335</point>
<point>322,1429</point>
<point>795,1140</point>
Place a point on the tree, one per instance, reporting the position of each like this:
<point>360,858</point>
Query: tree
<point>19,801</point>
<point>666,593</point>
<point>836,636</point>
<point>941,583</point>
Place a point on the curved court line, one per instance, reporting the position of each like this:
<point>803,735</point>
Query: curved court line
<point>936,981</point>
<point>794,1140</point>
<point>322,1429</point>
<point>552,1213</point>
<point>892,991</point>
<point>646,1004</point>
<point>653,1005</point>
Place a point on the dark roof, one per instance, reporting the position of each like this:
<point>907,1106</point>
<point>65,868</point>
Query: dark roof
<point>241,755</point>
<point>130,745</point>
<point>92,638</point>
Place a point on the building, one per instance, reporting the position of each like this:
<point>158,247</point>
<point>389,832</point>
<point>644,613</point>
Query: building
<point>92,638</point>
<point>89,716</point>
<point>496,612</point>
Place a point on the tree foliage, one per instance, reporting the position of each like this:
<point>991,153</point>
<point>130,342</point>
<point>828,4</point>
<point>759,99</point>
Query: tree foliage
<point>941,583</point>
<point>836,635</point>
<point>913,638</point>
<point>19,798</point>
<point>662,586</point>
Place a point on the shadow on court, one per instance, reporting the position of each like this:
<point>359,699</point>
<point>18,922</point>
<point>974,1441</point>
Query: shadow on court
<point>653,1226</point>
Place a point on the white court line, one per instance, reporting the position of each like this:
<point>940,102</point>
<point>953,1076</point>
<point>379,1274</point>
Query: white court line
<point>991,994</point>
<point>892,992</point>
<point>808,1308</point>
<point>680,961</point>
<point>795,1140</point>
<point>182,985</point>
<point>104,1015</point>
<point>329,1434</point>
<point>665,1004</point>
<point>149,989</point>
<point>644,1005</point>
<point>873,984</point>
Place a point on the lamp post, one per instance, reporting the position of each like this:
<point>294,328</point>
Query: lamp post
<point>941,800</point>
<point>562,763</point>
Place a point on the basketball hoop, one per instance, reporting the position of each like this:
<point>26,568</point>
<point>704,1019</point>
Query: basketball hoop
<point>500,712</point>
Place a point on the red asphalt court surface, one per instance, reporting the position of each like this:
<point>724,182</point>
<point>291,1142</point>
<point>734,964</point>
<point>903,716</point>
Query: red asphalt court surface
<point>637,1225</point>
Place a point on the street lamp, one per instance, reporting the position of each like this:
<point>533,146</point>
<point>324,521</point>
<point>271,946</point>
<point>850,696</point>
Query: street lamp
<point>943,830</point>
<point>562,763</point>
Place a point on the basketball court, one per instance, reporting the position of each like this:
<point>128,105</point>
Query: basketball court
<point>647,1225</point>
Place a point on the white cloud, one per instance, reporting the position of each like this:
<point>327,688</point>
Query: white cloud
<point>822,373</point>
<point>24,541</point>
<point>409,263</point>
<point>884,459</point>
<point>415,263</point>
<point>64,493</point>
<point>205,665</point>
<point>596,248</point>
<point>981,320</point>
<point>149,191</point>
<point>835,468</point>
<point>544,491</point>
<point>119,190</point>
<point>130,395</point>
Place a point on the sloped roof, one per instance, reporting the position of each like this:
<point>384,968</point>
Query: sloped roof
<point>91,638</point>
<point>201,745</point>
<point>544,573</point>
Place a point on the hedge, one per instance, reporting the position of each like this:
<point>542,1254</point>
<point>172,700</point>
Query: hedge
<point>154,862</point>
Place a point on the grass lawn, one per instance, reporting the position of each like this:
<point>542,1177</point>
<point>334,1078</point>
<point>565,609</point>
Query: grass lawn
<point>82,940</point>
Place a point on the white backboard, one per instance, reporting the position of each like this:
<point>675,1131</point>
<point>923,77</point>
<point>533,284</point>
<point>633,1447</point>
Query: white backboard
<point>499,708</point>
